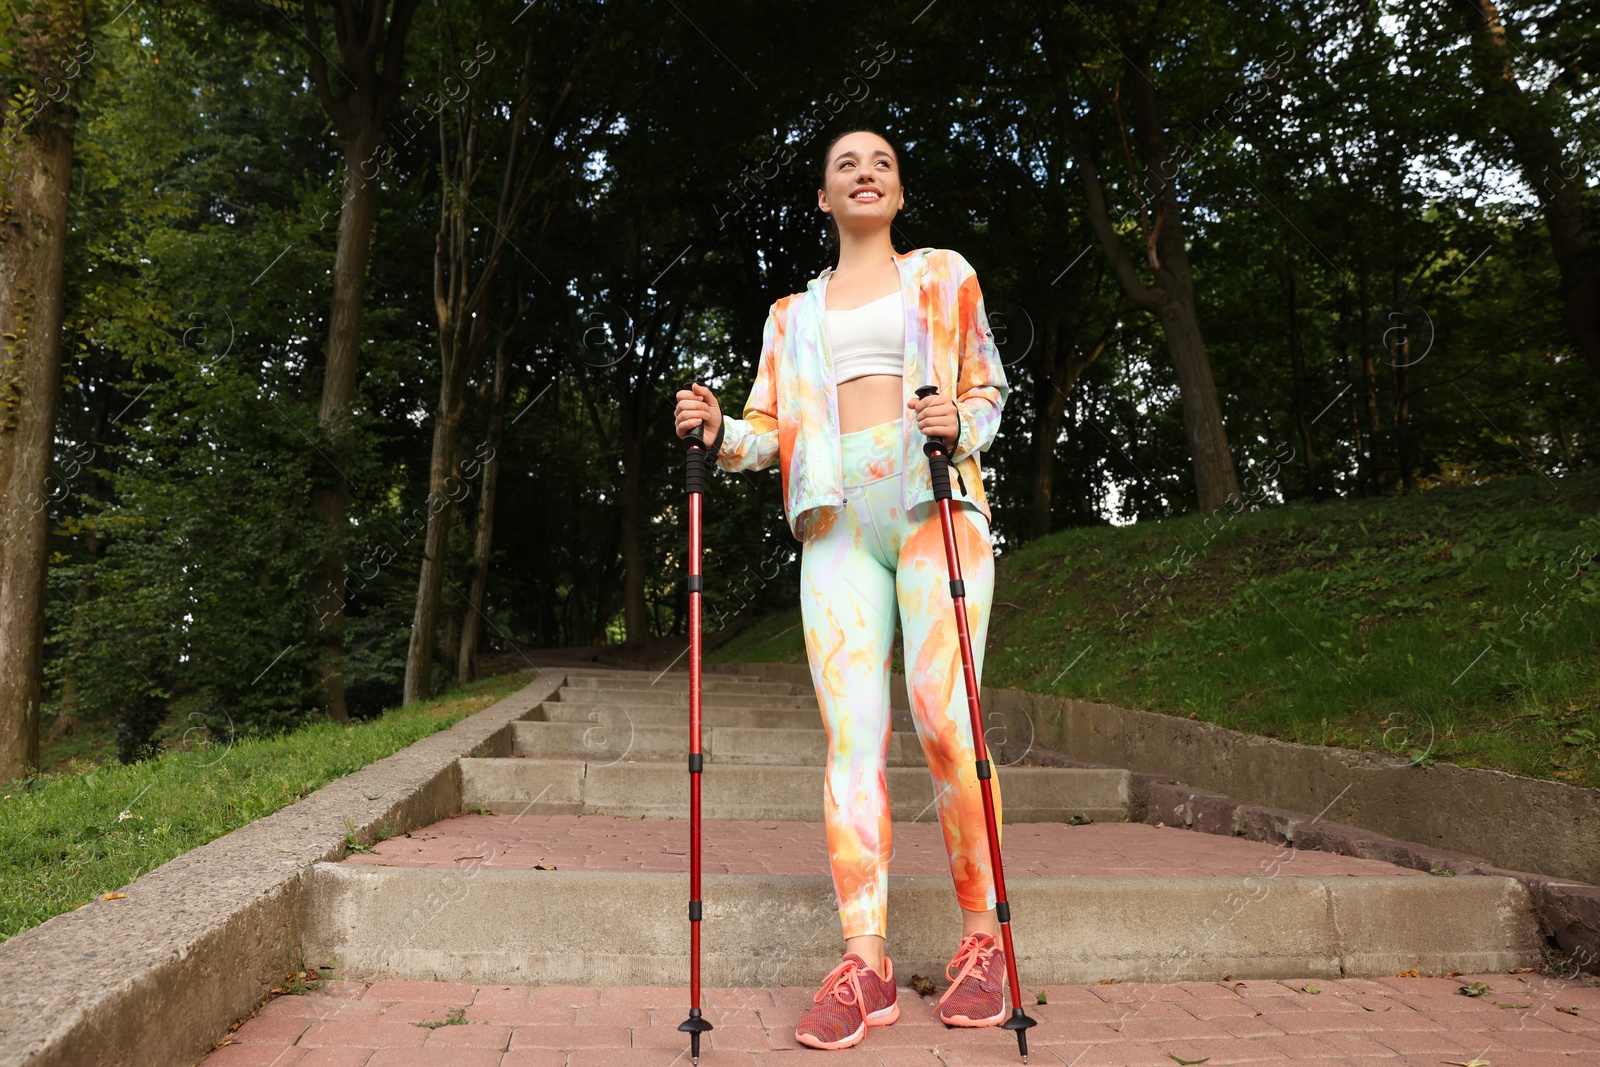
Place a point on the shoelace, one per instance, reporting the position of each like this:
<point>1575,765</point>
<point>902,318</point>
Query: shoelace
<point>845,976</point>
<point>970,955</point>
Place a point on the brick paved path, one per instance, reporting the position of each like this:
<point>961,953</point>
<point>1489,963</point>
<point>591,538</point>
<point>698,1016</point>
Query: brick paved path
<point>1399,1021</point>
<point>601,843</point>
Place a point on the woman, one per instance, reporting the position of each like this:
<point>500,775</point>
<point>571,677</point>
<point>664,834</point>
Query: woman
<point>834,403</point>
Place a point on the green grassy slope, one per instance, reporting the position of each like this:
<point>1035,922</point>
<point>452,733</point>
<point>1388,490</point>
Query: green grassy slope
<point>1458,625</point>
<point>66,837</point>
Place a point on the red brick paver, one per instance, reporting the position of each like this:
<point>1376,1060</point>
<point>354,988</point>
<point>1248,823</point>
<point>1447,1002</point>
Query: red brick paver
<point>603,843</point>
<point>1392,1022</point>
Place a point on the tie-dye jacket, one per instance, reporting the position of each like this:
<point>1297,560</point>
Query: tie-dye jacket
<point>792,414</point>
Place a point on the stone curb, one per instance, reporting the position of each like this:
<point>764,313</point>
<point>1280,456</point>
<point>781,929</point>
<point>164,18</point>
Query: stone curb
<point>1428,801</point>
<point>1568,912</point>
<point>154,979</point>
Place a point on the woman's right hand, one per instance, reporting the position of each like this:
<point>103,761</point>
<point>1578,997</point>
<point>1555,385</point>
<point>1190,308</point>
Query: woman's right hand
<point>697,407</point>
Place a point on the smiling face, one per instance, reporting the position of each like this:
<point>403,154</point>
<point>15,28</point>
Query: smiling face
<point>861,186</point>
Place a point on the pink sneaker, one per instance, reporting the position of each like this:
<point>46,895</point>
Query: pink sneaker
<point>976,996</point>
<point>852,998</point>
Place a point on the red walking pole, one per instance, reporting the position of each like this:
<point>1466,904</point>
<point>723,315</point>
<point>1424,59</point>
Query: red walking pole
<point>939,470</point>
<point>695,1024</point>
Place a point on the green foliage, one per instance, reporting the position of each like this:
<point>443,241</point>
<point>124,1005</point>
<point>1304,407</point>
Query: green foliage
<point>186,560</point>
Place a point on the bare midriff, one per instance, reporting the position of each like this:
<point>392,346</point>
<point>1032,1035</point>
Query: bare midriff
<point>869,400</point>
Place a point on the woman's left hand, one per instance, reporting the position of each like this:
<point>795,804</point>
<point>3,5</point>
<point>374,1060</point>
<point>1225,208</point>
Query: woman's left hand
<point>936,417</point>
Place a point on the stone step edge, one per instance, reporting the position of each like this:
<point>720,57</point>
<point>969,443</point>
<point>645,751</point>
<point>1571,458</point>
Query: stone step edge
<point>678,680</point>
<point>529,735</point>
<point>1069,930</point>
<point>1109,798</point>
<point>1568,912</point>
<point>628,698</point>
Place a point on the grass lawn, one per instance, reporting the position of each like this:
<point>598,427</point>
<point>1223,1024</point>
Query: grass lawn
<point>75,832</point>
<point>1458,625</point>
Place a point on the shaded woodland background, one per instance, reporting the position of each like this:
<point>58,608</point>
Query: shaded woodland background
<point>372,312</point>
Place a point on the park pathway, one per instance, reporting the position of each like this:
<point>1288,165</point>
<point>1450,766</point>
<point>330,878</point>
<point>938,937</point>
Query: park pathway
<point>546,926</point>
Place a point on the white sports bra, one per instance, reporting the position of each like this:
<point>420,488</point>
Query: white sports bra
<point>869,339</point>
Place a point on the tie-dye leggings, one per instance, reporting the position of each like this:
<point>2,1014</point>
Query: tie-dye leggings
<point>855,573</point>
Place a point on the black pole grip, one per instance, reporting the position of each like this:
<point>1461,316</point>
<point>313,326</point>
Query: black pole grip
<point>933,448</point>
<point>695,461</point>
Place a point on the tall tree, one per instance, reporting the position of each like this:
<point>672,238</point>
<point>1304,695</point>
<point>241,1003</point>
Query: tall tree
<point>1530,122</point>
<point>1142,136</point>
<point>37,122</point>
<point>357,93</point>
<point>483,535</point>
<point>468,258</point>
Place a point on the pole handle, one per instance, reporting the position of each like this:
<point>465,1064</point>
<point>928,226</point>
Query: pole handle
<point>695,460</point>
<point>938,461</point>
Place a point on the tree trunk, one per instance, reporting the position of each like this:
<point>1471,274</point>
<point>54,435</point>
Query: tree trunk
<point>1399,342</point>
<point>441,515</point>
<point>1369,375</point>
<point>331,497</point>
<point>1049,403</point>
<point>1357,435</point>
<point>605,587</point>
<point>1058,375</point>
<point>371,50</point>
<point>1559,184</point>
<point>1297,362</point>
<point>1215,478</point>
<point>99,490</point>
<point>635,616</point>
<point>36,138</point>
<point>471,627</point>
<point>451,637</point>
<point>1352,377</point>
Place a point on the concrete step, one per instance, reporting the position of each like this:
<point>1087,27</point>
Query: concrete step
<point>610,741</point>
<point>679,682</point>
<point>668,698</point>
<point>732,791</point>
<point>592,928</point>
<point>622,717</point>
